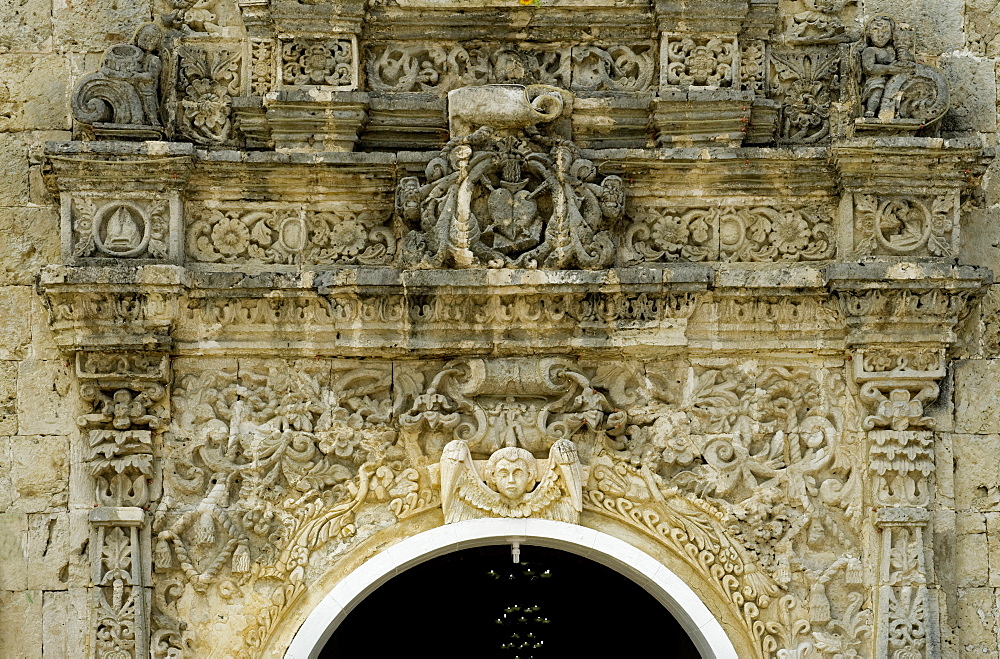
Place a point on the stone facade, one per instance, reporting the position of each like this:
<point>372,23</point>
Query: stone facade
<point>289,282</point>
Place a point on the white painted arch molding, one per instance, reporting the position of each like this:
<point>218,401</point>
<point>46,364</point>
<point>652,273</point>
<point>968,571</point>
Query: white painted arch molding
<point>663,584</point>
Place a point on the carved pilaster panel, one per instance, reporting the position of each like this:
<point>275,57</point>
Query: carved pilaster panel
<point>906,226</point>
<point>98,227</point>
<point>328,61</point>
<point>119,546</point>
<point>906,614</point>
<point>699,60</point>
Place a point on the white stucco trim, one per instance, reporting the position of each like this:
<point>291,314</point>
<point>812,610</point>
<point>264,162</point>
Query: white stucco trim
<point>678,598</point>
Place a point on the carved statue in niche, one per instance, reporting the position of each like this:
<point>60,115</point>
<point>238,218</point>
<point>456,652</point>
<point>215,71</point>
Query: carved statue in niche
<point>125,90</point>
<point>511,483</point>
<point>892,89</point>
<point>503,194</point>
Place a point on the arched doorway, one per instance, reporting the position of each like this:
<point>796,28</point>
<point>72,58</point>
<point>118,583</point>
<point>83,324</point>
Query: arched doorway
<point>669,590</point>
<point>551,603</point>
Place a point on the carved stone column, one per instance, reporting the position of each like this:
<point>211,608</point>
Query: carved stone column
<point>125,397</point>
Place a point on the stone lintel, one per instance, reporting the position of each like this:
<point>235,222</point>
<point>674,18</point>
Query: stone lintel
<point>118,516</point>
<point>901,516</point>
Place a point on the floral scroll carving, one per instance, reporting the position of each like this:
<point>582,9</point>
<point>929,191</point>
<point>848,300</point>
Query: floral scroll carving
<point>702,62</point>
<point>249,235</point>
<point>753,234</point>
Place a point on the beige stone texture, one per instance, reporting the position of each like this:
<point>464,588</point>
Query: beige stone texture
<point>56,625</point>
<point>972,565</point>
<point>975,412</point>
<point>96,24</point>
<point>15,327</point>
<point>982,26</point>
<point>977,622</point>
<point>20,623</point>
<point>31,241</point>
<point>8,397</point>
<point>13,551</point>
<point>43,390</point>
<point>40,472</point>
<point>48,551</point>
<point>977,476</point>
<point>39,87</point>
<point>973,87</point>
<point>25,25</point>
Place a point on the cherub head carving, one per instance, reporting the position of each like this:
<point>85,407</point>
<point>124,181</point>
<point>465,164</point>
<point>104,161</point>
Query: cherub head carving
<point>512,471</point>
<point>880,31</point>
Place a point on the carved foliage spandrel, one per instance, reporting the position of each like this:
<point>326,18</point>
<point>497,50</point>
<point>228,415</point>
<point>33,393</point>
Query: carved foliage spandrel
<point>268,463</point>
<point>765,451</point>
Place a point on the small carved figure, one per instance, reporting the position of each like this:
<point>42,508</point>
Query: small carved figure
<point>892,89</point>
<point>880,61</point>
<point>507,486</point>
<point>125,90</point>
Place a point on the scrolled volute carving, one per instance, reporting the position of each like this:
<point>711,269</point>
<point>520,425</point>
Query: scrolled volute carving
<point>125,91</point>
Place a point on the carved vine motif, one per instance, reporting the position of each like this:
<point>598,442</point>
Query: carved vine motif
<point>703,62</point>
<point>264,235</point>
<point>209,79</point>
<point>318,62</point>
<point>408,67</point>
<point>120,228</point>
<point>510,202</point>
<point>905,225</point>
<point>730,234</point>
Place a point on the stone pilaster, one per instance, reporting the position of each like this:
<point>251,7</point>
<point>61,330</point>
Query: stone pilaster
<point>124,393</point>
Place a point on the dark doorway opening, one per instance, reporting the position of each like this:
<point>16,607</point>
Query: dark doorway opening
<point>479,603</point>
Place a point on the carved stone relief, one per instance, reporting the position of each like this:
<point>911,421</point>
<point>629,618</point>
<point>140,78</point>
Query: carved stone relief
<point>122,99</point>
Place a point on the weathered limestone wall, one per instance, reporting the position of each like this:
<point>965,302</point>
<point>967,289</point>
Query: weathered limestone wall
<point>44,46</point>
<point>47,45</point>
